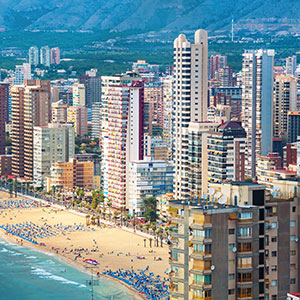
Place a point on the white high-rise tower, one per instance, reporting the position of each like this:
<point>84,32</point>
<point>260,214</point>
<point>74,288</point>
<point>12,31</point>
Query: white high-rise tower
<point>257,105</point>
<point>190,100</point>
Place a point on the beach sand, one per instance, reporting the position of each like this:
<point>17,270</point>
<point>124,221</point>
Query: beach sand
<point>119,248</point>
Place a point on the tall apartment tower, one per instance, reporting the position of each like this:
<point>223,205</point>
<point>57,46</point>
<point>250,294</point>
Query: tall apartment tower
<point>55,56</point>
<point>22,72</point>
<point>257,105</point>
<point>125,137</point>
<point>33,55</point>
<point>92,84</point>
<point>45,56</point>
<point>4,94</point>
<point>52,143</point>
<point>217,62</point>
<point>190,99</point>
<point>30,107</point>
<point>285,99</point>
<point>78,116</point>
<point>291,65</point>
<point>79,94</point>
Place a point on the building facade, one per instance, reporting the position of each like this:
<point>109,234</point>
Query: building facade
<point>257,105</point>
<point>190,99</point>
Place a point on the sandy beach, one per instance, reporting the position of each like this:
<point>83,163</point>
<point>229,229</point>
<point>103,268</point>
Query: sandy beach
<point>113,248</point>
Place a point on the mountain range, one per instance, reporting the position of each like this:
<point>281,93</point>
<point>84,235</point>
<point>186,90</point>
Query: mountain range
<point>151,15</point>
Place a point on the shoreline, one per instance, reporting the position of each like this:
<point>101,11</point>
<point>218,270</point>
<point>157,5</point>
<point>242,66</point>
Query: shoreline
<point>77,266</point>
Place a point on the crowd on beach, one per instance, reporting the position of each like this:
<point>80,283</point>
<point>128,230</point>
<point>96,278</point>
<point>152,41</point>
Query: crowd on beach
<point>18,204</point>
<point>31,232</point>
<point>153,287</point>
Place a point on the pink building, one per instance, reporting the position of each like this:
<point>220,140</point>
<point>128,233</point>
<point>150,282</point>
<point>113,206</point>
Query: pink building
<point>55,56</point>
<point>125,138</point>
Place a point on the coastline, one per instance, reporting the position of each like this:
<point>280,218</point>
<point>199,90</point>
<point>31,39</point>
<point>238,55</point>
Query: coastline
<point>79,267</point>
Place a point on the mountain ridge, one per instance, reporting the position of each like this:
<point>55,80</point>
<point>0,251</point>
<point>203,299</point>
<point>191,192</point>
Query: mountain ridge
<point>151,15</point>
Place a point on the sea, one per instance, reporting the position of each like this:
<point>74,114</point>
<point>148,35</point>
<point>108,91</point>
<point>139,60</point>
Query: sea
<point>26,274</point>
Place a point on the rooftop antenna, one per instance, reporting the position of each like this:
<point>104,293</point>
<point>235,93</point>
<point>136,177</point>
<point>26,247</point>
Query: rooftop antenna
<point>232,30</point>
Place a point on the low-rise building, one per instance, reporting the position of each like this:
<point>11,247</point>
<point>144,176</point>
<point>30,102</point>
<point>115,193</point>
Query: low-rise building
<point>5,165</point>
<point>148,178</point>
<point>70,175</point>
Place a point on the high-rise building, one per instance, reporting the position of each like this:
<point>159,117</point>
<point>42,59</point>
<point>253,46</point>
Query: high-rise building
<point>4,96</point>
<point>45,56</point>
<point>77,115</point>
<point>22,72</point>
<point>124,138</point>
<point>291,65</point>
<point>217,250</point>
<point>293,130</point>
<point>148,178</point>
<point>79,94</point>
<point>30,107</point>
<point>148,72</point>
<point>59,112</point>
<point>195,170</point>
<point>167,112</point>
<point>33,55</point>
<point>5,165</point>
<point>92,84</point>
<point>217,62</point>
<point>153,109</point>
<point>96,120</point>
<point>55,56</point>
<point>225,76</point>
<point>285,99</point>
<point>52,143</point>
<point>226,153</point>
<point>257,105</point>
<point>190,98</point>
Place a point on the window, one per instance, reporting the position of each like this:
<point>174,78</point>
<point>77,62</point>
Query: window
<point>274,239</point>
<point>274,297</point>
<point>293,223</point>
<point>292,238</point>
<point>245,215</point>
<point>294,209</point>
<point>274,225</point>
<point>293,252</point>
<point>198,278</point>
<point>231,292</point>
<point>230,276</point>
<point>274,268</point>
<point>231,231</point>
<point>245,231</point>
<point>293,281</point>
<point>273,283</point>
<point>274,253</point>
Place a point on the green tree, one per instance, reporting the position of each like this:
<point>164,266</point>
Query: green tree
<point>150,204</point>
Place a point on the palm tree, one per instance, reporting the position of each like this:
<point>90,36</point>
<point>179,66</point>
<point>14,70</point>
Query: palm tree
<point>109,204</point>
<point>145,242</point>
<point>150,241</point>
<point>87,218</point>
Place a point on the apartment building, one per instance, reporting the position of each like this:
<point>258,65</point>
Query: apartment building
<point>77,115</point>
<point>190,99</point>
<point>30,107</point>
<point>4,96</point>
<point>52,143</point>
<point>59,112</point>
<point>148,178</point>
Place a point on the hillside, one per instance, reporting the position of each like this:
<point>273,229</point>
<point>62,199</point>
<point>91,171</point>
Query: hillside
<point>151,15</point>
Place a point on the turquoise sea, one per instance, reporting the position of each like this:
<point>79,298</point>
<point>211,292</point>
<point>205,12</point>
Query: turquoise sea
<point>26,274</point>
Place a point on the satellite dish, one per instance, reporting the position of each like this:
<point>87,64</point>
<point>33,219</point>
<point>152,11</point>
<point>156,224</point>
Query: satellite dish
<point>212,267</point>
<point>234,249</point>
<point>222,200</point>
<point>218,195</point>
<point>296,240</point>
<point>211,191</point>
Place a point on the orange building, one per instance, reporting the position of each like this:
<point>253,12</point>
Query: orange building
<point>72,174</point>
